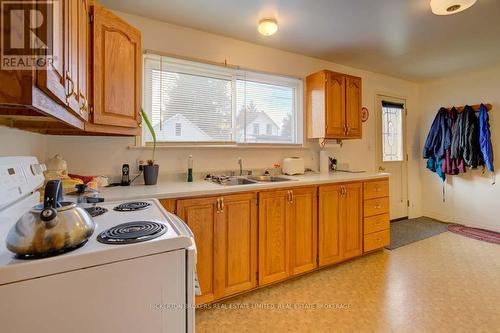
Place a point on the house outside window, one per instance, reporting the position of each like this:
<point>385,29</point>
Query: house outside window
<point>196,102</point>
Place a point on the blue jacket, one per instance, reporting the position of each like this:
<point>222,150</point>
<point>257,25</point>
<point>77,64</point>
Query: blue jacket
<point>438,141</point>
<point>485,138</point>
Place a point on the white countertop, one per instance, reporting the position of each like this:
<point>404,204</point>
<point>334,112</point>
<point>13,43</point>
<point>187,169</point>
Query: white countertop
<point>172,189</point>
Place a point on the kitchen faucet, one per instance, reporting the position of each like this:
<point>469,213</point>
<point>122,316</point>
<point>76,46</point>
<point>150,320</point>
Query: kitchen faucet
<point>240,162</point>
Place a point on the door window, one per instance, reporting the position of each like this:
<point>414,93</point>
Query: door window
<point>392,132</point>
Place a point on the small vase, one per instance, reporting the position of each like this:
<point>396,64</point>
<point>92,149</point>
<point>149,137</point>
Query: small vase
<point>151,174</point>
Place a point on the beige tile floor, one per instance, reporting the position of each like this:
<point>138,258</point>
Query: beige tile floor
<point>447,283</point>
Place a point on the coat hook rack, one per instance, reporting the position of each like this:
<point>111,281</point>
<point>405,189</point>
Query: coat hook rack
<point>475,107</point>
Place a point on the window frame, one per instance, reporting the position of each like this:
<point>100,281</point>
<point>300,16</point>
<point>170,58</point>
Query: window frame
<point>202,68</point>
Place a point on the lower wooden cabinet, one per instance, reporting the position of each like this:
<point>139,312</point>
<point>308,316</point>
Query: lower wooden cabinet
<point>248,240</point>
<point>287,233</point>
<point>340,222</point>
<point>225,231</point>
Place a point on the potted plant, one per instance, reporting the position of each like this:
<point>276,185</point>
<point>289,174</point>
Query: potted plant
<point>151,169</point>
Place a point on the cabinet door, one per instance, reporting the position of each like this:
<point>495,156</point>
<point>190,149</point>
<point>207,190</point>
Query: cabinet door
<point>335,106</point>
<point>330,219</point>
<point>274,258</point>
<point>303,230</point>
<point>117,69</point>
<point>353,106</point>
<point>352,228</point>
<point>200,215</point>
<point>72,50</point>
<point>236,245</point>
<point>83,57</point>
<point>52,80</point>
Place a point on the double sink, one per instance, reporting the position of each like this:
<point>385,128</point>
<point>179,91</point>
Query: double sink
<point>231,181</point>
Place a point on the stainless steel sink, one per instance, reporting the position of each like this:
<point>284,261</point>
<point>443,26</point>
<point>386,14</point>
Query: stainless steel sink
<point>269,178</point>
<point>237,181</point>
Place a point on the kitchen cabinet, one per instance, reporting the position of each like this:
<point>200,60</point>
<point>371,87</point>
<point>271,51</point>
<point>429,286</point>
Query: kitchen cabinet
<point>287,233</point>
<point>340,222</point>
<point>303,230</point>
<point>333,105</point>
<point>117,72</point>
<point>92,86</point>
<point>376,226</point>
<point>225,231</point>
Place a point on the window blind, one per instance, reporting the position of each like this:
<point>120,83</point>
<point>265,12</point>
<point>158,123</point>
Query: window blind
<point>194,102</point>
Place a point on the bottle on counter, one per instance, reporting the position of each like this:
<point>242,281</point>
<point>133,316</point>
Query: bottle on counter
<point>190,169</point>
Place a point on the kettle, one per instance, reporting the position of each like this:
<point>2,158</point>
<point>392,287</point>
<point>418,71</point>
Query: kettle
<point>52,228</point>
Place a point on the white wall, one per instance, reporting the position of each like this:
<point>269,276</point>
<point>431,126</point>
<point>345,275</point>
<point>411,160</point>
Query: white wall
<point>14,142</point>
<point>470,198</point>
<point>104,155</point>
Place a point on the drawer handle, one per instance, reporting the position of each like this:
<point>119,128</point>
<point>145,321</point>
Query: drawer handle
<point>378,206</point>
<point>377,189</point>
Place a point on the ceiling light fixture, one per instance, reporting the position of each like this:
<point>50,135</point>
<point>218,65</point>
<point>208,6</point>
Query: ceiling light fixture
<point>268,26</point>
<point>448,7</point>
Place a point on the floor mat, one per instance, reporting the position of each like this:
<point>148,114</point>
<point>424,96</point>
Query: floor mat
<point>476,233</point>
<point>408,231</point>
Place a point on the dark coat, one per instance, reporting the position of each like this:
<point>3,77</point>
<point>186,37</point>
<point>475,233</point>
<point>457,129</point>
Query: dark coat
<point>468,132</point>
<point>439,137</point>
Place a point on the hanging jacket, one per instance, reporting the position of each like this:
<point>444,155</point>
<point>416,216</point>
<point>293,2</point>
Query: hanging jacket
<point>453,165</point>
<point>485,138</point>
<point>439,137</point>
<point>469,138</point>
<point>437,142</point>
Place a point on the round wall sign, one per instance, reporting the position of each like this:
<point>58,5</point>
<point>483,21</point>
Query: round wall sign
<point>364,114</point>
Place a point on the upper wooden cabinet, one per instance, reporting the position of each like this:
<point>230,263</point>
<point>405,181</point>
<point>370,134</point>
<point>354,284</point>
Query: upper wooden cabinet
<point>117,71</point>
<point>340,222</point>
<point>333,103</point>
<point>225,232</point>
<point>92,86</point>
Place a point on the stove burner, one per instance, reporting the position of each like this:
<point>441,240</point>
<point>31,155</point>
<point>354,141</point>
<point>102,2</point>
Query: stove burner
<point>96,211</point>
<point>132,206</point>
<point>132,232</point>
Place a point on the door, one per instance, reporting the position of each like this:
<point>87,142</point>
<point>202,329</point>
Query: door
<point>335,105</point>
<point>303,230</point>
<point>329,222</point>
<point>392,152</point>
<point>353,106</point>
<point>200,215</point>
<point>117,70</point>
<point>352,228</point>
<point>83,57</point>
<point>236,244</point>
<point>53,80</point>
<point>274,246</point>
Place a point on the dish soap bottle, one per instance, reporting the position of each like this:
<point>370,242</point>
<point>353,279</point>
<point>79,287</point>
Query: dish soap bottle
<point>190,169</point>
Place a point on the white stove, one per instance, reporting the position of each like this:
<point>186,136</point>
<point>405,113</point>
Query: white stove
<point>144,284</point>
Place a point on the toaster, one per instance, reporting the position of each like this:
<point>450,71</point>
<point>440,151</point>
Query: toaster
<point>293,166</point>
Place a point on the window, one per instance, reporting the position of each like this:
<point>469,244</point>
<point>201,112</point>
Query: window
<point>269,129</point>
<point>195,102</point>
<point>392,132</point>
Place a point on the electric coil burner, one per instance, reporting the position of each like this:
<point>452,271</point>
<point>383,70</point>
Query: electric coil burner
<point>96,211</point>
<point>132,232</point>
<point>132,206</point>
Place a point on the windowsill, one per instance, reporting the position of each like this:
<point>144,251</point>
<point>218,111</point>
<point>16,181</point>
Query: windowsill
<point>182,145</point>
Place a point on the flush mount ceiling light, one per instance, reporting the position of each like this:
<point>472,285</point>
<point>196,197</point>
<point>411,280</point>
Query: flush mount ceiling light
<point>448,7</point>
<point>268,26</point>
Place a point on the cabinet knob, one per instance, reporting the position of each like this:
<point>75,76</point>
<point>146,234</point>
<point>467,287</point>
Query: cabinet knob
<point>71,91</point>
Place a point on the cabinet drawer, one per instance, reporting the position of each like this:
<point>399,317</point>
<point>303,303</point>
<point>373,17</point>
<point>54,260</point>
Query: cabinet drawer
<point>377,240</point>
<point>376,206</point>
<point>378,189</point>
<point>376,223</point>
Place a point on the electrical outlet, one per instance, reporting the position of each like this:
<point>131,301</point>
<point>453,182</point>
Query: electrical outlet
<point>140,164</point>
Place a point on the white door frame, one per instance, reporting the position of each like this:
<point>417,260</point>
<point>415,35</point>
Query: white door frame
<point>379,97</point>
